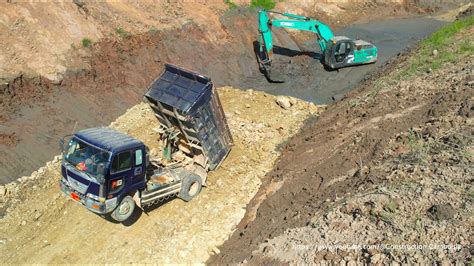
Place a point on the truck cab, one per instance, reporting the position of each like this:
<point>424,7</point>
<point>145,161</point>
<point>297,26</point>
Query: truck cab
<point>101,166</point>
<point>110,172</point>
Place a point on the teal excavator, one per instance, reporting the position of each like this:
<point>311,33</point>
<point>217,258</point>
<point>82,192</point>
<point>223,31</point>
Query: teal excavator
<point>336,51</point>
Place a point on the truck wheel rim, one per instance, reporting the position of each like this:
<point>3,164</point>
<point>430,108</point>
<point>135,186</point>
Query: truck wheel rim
<point>124,208</point>
<point>193,189</point>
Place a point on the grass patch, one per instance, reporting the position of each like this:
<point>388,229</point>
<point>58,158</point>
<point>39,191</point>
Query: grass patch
<point>122,32</point>
<point>230,4</point>
<point>440,48</point>
<point>419,149</point>
<point>153,30</point>
<point>86,42</point>
<point>391,207</point>
<point>265,4</point>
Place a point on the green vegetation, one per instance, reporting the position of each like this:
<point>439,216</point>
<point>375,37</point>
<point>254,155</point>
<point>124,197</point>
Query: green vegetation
<point>447,45</point>
<point>230,4</point>
<point>440,48</point>
<point>391,207</point>
<point>153,30</point>
<point>86,42</point>
<point>122,32</point>
<point>266,4</point>
<point>419,149</point>
<point>470,194</point>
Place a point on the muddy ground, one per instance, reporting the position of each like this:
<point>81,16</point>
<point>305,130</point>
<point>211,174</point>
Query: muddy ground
<point>36,113</point>
<point>390,164</point>
<point>306,78</point>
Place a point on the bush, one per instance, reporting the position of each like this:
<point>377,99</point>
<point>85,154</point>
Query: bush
<point>86,42</point>
<point>122,33</point>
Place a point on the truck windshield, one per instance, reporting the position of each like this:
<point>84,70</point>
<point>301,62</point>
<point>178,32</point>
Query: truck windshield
<point>85,157</point>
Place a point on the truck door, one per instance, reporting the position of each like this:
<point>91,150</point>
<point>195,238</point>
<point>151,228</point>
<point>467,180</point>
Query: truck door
<point>121,174</point>
<point>139,163</point>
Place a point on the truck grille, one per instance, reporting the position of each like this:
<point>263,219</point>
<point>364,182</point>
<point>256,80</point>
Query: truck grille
<point>76,185</point>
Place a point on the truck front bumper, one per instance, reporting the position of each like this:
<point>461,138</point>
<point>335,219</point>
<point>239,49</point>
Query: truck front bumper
<point>91,204</point>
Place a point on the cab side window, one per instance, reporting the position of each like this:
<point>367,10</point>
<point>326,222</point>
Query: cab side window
<point>138,158</point>
<point>341,48</point>
<point>121,162</point>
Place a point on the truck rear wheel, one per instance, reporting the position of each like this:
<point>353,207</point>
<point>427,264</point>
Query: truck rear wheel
<point>124,210</point>
<point>190,187</point>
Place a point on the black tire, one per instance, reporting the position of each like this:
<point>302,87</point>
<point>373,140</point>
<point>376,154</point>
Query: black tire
<point>190,187</point>
<point>124,210</point>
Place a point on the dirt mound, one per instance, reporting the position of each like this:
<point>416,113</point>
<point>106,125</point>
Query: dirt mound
<point>43,226</point>
<point>367,172</point>
<point>33,44</point>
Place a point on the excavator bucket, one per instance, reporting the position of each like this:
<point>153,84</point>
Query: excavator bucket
<point>272,75</point>
<point>265,65</point>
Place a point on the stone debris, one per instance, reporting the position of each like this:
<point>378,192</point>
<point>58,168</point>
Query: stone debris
<point>284,102</point>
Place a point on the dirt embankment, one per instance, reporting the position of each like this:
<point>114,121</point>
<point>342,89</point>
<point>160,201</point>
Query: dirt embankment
<point>39,37</point>
<point>43,226</point>
<point>390,165</point>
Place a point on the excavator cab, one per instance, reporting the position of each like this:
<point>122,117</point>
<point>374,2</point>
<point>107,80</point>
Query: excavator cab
<point>339,52</point>
<point>343,51</point>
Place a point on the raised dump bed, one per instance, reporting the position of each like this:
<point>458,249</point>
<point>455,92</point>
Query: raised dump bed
<point>188,101</point>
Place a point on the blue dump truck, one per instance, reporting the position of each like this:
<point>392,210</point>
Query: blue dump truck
<point>111,173</point>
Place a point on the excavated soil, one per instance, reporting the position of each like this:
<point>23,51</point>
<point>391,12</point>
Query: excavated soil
<point>390,164</point>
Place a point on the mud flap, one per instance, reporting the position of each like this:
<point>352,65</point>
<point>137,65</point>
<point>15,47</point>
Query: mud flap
<point>137,200</point>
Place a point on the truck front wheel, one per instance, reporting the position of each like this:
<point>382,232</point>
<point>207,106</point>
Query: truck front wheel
<point>190,187</point>
<point>124,210</point>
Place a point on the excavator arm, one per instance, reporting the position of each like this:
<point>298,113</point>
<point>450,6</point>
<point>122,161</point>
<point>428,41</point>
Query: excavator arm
<point>322,31</point>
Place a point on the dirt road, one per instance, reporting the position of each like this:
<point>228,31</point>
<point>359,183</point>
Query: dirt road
<point>42,226</point>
